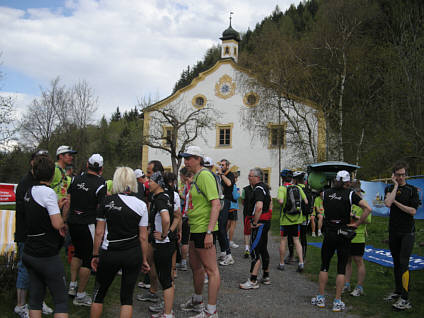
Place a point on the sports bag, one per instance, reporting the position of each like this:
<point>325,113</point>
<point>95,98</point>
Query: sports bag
<point>294,200</point>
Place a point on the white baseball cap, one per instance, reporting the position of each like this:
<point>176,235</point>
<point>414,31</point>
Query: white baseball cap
<point>343,176</point>
<point>95,160</point>
<point>192,151</point>
<point>139,173</point>
<point>64,149</point>
<point>208,162</point>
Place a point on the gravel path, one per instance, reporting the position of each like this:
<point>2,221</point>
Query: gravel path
<point>289,294</point>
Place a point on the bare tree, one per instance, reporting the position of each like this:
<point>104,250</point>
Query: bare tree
<point>175,126</point>
<point>83,104</point>
<point>7,118</point>
<point>59,110</point>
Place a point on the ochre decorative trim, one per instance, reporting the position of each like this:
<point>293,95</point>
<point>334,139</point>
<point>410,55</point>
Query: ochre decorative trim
<point>246,102</point>
<point>225,80</point>
<point>145,151</point>
<point>267,170</point>
<point>194,101</point>
<point>224,126</point>
<point>229,41</point>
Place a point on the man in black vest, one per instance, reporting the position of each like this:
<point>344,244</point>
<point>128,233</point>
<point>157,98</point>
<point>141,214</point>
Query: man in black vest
<point>337,206</point>
<point>403,201</point>
<point>85,192</point>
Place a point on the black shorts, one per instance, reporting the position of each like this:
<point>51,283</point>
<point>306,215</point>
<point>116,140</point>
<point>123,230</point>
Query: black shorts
<point>185,235</point>
<point>232,214</point>
<point>357,249</point>
<point>290,230</point>
<point>199,239</point>
<point>82,236</point>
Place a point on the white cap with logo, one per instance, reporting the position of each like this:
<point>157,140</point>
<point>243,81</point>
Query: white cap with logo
<point>96,160</point>
<point>343,176</point>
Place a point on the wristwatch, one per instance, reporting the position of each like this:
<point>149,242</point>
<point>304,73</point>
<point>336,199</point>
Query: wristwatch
<point>209,232</point>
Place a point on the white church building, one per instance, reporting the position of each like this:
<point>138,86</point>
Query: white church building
<point>220,88</point>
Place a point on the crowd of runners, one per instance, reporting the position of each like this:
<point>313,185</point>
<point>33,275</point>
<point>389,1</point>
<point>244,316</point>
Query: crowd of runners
<point>156,223</point>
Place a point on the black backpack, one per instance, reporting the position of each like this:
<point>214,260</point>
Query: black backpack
<point>307,208</point>
<point>293,201</point>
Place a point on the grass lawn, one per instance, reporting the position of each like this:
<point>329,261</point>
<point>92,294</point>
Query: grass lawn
<point>379,280</point>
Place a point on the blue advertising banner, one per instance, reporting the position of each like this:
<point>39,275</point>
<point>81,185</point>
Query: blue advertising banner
<point>384,257</point>
<point>374,195</point>
<point>419,183</point>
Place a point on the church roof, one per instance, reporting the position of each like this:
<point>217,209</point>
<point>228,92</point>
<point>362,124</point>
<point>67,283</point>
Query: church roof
<point>230,34</point>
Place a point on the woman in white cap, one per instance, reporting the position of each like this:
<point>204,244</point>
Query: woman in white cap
<point>203,214</point>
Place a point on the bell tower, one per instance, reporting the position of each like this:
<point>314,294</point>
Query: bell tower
<point>230,40</point>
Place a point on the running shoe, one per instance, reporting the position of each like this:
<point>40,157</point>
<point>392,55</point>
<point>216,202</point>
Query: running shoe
<point>206,279</point>
<point>266,281</point>
<point>249,285</point>
<point>313,234</point>
<point>338,305</point>
<point>233,245</point>
<point>300,267</point>
<point>143,285</point>
<point>148,297</point>
<point>162,315</point>
<point>46,309</point>
<point>183,267</point>
<point>191,305</point>
<point>319,233</point>
<point>402,304</point>
<point>358,291</point>
<point>246,254</point>
<point>205,314</point>
<point>83,301</point>
<point>222,256</point>
<point>229,260</point>
<point>392,296</point>
<point>158,307</point>
<point>318,301</point>
<point>346,288</point>
<point>22,311</point>
<point>280,267</point>
<point>72,291</point>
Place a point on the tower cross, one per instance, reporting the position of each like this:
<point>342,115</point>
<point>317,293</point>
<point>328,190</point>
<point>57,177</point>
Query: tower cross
<point>231,13</point>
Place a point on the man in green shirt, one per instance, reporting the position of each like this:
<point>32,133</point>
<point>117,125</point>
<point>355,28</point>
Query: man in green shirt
<point>290,225</point>
<point>202,214</point>
<point>60,184</point>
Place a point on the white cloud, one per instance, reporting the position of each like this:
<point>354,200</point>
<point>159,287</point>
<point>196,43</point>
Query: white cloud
<point>124,49</point>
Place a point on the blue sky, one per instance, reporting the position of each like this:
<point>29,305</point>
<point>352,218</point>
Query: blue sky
<point>125,50</point>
